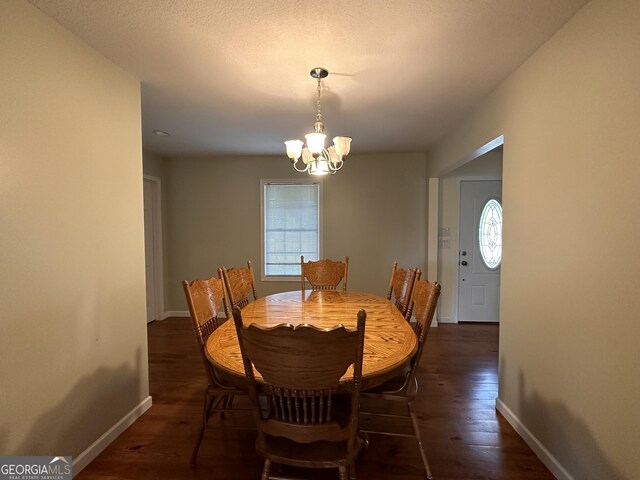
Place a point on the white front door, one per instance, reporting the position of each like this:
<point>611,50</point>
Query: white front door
<point>149,249</point>
<point>478,275</point>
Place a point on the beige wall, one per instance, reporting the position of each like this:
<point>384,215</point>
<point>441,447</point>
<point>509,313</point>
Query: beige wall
<point>374,211</point>
<point>488,165</point>
<point>73,346</point>
<point>570,116</point>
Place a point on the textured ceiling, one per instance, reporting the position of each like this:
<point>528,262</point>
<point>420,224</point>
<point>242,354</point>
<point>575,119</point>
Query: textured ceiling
<point>232,76</point>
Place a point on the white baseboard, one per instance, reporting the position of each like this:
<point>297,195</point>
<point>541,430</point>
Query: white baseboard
<point>447,320</point>
<point>175,313</point>
<point>86,457</point>
<point>543,454</point>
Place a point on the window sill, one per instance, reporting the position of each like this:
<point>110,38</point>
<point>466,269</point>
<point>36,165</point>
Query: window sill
<point>273,278</point>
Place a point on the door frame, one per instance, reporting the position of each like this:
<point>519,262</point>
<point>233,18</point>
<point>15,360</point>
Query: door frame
<point>434,227</point>
<point>156,185</point>
<point>456,293</point>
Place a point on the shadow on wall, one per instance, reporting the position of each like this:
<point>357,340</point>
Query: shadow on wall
<point>564,435</point>
<point>93,405</point>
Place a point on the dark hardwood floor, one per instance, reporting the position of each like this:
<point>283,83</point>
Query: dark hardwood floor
<point>464,436</point>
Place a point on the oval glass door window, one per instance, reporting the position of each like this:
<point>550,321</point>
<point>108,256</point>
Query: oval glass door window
<point>490,234</point>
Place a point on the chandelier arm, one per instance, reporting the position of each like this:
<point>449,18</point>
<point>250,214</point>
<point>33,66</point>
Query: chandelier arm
<point>336,166</point>
<point>297,169</point>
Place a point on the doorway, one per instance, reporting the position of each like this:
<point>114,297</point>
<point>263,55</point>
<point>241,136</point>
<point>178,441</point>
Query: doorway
<point>484,164</point>
<point>153,248</point>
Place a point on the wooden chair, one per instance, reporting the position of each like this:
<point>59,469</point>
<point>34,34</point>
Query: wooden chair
<point>204,298</point>
<point>324,274</point>
<point>401,287</point>
<point>404,388</point>
<point>303,419</point>
<point>239,282</point>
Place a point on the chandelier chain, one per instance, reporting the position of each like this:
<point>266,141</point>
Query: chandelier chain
<point>319,114</point>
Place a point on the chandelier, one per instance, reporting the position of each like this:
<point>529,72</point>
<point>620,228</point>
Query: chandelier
<point>317,160</point>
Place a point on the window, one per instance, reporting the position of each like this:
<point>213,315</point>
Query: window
<point>291,219</point>
<point>490,234</point>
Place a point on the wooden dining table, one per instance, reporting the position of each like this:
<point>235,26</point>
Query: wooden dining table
<point>389,339</point>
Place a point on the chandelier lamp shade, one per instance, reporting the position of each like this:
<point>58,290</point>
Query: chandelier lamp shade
<point>313,157</point>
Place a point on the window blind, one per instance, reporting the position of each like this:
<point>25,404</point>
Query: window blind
<point>291,227</point>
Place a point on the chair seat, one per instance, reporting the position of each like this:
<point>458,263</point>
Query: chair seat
<point>391,385</point>
<point>283,450</point>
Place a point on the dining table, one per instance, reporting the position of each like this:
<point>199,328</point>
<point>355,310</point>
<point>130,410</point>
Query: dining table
<point>389,343</point>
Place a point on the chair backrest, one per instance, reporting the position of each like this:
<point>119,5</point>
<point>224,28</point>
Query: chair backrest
<point>401,287</point>
<point>204,298</point>
<point>239,283</point>
<point>324,274</point>
<point>301,367</point>
<point>423,300</point>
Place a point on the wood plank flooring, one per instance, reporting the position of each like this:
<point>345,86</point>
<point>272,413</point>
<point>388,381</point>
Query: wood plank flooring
<point>464,436</point>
